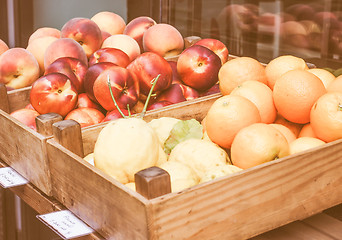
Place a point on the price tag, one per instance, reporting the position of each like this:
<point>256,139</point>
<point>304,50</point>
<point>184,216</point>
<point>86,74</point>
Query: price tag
<point>10,178</point>
<point>65,224</point>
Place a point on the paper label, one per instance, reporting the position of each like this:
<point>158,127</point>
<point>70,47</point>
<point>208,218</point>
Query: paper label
<point>65,224</point>
<point>10,178</point>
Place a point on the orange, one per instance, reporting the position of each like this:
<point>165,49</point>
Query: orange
<point>295,92</point>
<point>288,134</point>
<point>256,144</point>
<point>325,76</point>
<point>226,116</point>
<point>294,127</point>
<point>307,131</point>
<point>304,143</point>
<point>238,70</point>
<point>261,95</point>
<point>280,65</point>
<point>336,85</point>
<point>326,117</point>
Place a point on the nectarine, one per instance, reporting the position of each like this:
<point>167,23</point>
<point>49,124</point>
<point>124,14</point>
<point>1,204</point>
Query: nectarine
<point>109,22</point>
<point>18,68</point>
<point>163,39</point>
<point>123,42</point>
<point>85,31</point>
<point>64,47</point>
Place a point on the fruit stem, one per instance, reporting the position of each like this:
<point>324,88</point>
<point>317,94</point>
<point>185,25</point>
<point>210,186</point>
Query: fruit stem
<point>153,82</point>
<point>129,111</point>
<point>113,98</point>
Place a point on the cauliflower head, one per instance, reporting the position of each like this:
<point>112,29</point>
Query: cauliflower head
<point>181,175</point>
<point>199,154</point>
<point>163,126</point>
<point>219,171</point>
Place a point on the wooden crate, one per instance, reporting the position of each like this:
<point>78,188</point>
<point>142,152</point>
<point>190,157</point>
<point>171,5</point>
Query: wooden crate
<point>21,147</point>
<point>238,206</point>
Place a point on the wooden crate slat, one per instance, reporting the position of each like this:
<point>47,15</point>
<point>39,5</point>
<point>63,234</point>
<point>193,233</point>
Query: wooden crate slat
<point>4,104</point>
<point>105,205</point>
<point>25,151</point>
<point>275,193</point>
<point>19,98</point>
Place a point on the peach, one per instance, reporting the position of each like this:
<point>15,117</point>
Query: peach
<point>137,27</point>
<point>113,55</point>
<point>44,32</point>
<point>64,47</point>
<point>83,100</point>
<point>73,68</point>
<point>53,92</point>
<point>115,114</point>
<point>109,22</point>
<point>85,116</point>
<point>216,46</point>
<point>3,47</point>
<point>38,47</point>
<point>92,74</point>
<point>123,42</point>
<point>198,67</point>
<point>124,85</point>
<point>84,31</point>
<point>105,35</point>
<point>18,68</point>
<point>26,116</point>
<point>148,66</point>
<point>163,39</point>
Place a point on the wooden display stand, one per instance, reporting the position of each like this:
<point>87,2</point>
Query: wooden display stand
<point>324,225</point>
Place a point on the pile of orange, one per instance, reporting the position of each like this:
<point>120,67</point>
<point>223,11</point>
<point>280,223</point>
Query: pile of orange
<point>268,111</point>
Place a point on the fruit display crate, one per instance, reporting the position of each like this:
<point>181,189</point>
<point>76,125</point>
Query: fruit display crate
<point>238,206</point>
<point>23,148</point>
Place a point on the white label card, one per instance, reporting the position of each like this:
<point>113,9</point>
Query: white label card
<point>65,224</point>
<point>10,178</point>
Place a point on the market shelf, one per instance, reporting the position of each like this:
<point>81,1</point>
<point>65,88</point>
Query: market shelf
<point>324,225</point>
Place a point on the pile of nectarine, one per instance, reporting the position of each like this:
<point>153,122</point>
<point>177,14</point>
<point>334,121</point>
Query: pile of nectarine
<point>68,68</point>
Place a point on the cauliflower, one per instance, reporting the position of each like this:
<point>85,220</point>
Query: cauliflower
<point>199,154</point>
<point>163,126</point>
<point>181,131</point>
<point>126,146</point>
<point>181,175</point>
<point>219,171</point>
<point>162,156</point>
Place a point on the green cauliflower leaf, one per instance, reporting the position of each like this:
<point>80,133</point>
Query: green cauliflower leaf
<point>182,131</point>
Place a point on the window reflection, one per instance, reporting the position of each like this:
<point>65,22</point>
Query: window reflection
<point>266,29</point>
